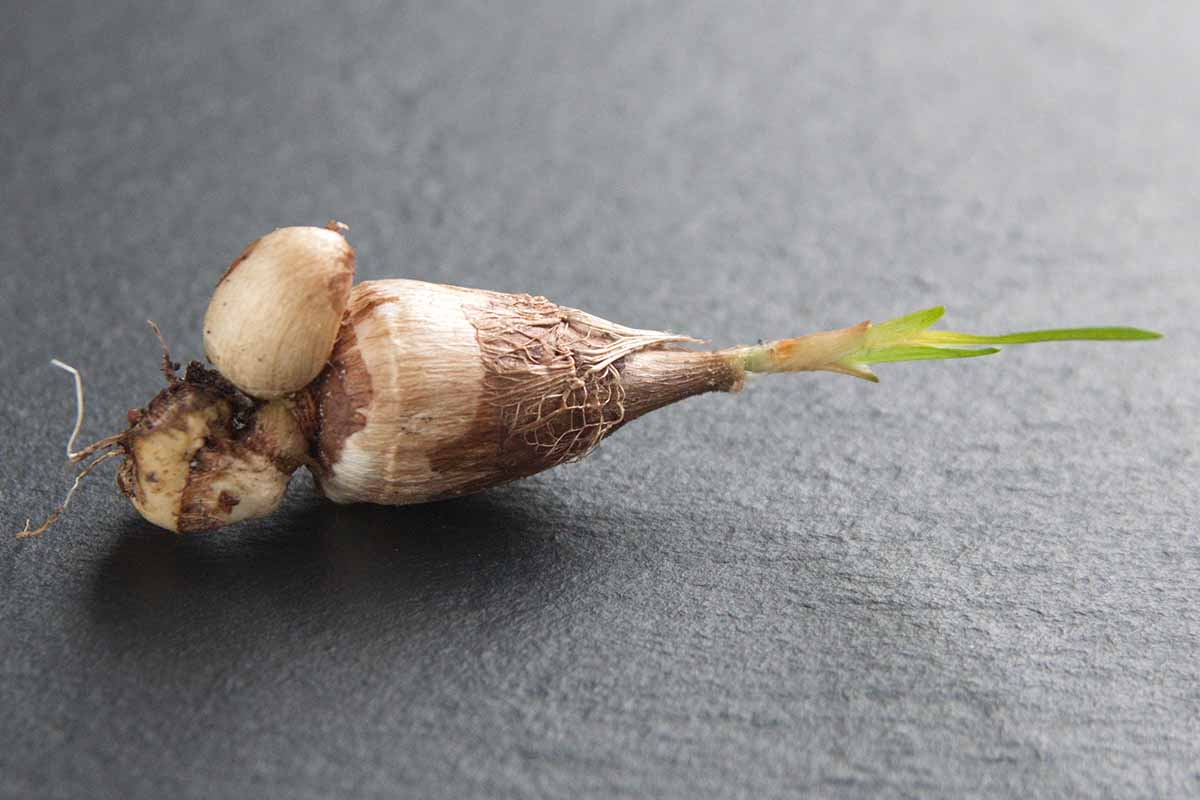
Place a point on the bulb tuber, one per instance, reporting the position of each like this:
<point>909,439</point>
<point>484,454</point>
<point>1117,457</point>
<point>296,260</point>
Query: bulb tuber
<point>400,391</point>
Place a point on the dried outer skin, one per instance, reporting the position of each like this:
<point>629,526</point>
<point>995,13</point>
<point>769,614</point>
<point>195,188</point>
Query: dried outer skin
<point>274,316</point>
<point>434,391</point>
<point>553,373</point>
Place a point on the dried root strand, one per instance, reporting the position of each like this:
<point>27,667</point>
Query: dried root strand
<point>169,368</point>
<point>74,456</point>
<point>62,509</point>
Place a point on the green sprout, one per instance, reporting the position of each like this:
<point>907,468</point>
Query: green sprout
<point>908,338</point>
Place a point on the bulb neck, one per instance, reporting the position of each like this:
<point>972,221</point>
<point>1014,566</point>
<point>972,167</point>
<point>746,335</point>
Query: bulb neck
<point>652,379</point>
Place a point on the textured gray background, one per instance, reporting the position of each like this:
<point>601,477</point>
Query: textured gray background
<point>974,578</point>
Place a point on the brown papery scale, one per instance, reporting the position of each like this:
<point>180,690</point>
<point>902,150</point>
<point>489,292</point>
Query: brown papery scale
<point>400,391</point>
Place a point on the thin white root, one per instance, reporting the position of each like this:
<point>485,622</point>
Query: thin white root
<point>74,456</point>
<point>78,406</point>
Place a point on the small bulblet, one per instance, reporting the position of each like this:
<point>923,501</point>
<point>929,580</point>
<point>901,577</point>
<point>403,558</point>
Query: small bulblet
<point>435,391</point>
<point>275,312</point>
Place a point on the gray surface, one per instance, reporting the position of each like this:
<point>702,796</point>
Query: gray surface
<point>974,578</point>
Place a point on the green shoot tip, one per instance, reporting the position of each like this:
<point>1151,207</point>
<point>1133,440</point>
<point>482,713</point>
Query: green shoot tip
<point>909,338</point>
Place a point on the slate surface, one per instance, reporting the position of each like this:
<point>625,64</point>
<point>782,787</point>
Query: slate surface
<point>975,578</point>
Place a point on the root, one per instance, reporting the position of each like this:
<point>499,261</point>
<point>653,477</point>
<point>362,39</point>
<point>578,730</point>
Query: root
<point>76,456</point>
<point>78,406</point>
<point>27,533</point>
<point>72,455</point>
<point>168,367</point>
